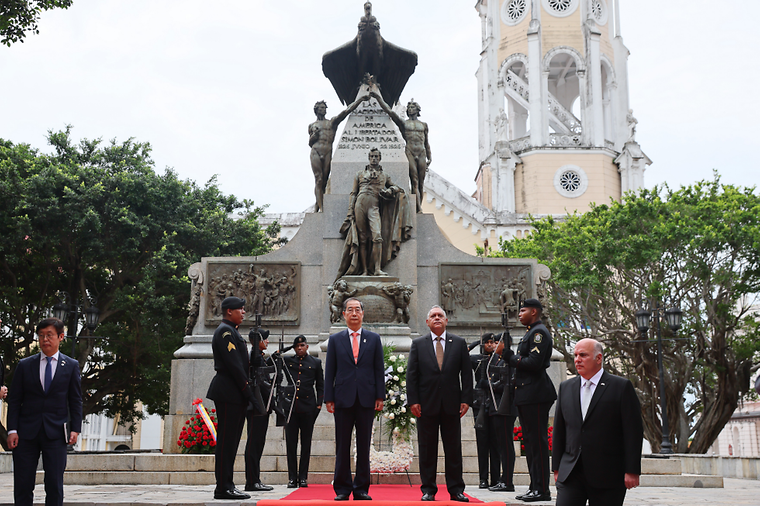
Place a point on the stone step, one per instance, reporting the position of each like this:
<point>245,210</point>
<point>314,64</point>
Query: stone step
<point>281,477</point>
<point>156,462</point>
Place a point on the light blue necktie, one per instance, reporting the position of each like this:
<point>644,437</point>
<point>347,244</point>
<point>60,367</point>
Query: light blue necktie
<point>48,374</point>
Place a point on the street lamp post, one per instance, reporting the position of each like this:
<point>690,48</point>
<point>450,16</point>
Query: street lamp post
<point>62,310</point>
<point>673,317</point>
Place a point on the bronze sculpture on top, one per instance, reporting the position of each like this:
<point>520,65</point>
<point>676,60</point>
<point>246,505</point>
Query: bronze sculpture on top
<point>321,137</point>
<point>415,133</point>
<point>390,65</point>
<point>378,221</point>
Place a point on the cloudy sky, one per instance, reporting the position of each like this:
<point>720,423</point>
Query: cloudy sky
<point>227,87</point>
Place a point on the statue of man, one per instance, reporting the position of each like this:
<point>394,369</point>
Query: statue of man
<point>377,221</point>
<point>415,133</point>
<point>321,137</point>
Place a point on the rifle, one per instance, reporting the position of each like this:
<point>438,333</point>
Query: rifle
<point>256,371</point>
<point>282,403</point>
<point>505,372</point>
<point>480,394</point>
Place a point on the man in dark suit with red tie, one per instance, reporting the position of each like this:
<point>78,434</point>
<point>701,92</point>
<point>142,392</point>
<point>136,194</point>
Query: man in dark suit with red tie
<point>45,396</point>
<point>439,389</point>
<point>354,390</point>
<point>597,434</point>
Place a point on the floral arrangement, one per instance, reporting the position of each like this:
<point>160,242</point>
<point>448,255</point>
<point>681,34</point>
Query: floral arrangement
<point>397,418</point>
<point>518,436</point>
<point>196,437</point>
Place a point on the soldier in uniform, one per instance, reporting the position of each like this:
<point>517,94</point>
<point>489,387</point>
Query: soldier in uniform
<point>488,453</point>
<point>305,374</point>
<point>231,392</point>
<point>534,396</point>
<point>258,422</point>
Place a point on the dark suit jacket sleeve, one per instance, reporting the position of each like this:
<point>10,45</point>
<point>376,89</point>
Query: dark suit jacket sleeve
<point>330,369</point>
<point>633,429</point>
<point>320,383</point>
<point>466,374</point>
<point>16,396</point>
<point>413,375</point>
<point>75,398</point>
<point>559,433</point>
<point>379,367</point>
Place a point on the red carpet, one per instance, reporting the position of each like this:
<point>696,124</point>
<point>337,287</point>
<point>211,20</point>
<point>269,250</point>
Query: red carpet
<point>388,495</point>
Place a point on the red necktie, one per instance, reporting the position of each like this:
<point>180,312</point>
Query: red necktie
<point>355,346</point>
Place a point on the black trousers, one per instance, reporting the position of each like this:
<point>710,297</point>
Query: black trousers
<point>345,421</point>
<point>25,458</point>
<point>501,427</point>
<point>303,423</point>
<point>230,420</point>
<point>254,447</point>
<point>534,419</point>
<point>577,489</point>
<point>450,428</point>
<point>488,451</point>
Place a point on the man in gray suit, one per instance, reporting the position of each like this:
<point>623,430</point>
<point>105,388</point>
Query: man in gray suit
<point>439,389</point>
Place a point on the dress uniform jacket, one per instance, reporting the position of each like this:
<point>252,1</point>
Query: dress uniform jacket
<point>306,373</point>
<point>533,356</point>
<point>231,384</point>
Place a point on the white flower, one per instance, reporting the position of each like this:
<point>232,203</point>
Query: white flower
<point>403,409</point>
<point>402,397</point>
<point>396,430</point>
<point>393,402</point>
<point>400,369</point>
<point>403,384</point>
<point>413,420</point>
<point>395,378</point>
<point>391,416</point>
<point>392,358</point>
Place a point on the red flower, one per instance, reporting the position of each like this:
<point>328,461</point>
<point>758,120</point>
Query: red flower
<point>213,410</point>
<point>196,402</point>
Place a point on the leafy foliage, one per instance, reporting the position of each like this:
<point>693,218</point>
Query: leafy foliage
<point>98,222</point>
<point>20,16</point>
<point>697,247</point>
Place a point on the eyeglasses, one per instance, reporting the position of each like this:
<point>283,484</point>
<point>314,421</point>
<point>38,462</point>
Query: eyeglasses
<point>47,337</point>
<point>352,310</point>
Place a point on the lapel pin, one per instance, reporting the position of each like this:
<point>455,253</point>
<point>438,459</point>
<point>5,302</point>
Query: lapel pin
<point>365,340</point>
<point>601,384</point>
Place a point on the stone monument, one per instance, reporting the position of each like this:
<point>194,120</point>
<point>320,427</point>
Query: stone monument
<point>300,288</point>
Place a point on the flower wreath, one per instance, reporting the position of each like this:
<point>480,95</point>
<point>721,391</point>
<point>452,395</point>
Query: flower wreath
<point>398,419</point>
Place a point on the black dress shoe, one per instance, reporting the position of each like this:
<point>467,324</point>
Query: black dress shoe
<point>232,493</point>
<point>342,497</point>
<point>292,484</point>
<point>502,487</point>
<point>460,497</point>
<point>428,497</point>
<point>362,496</point>
<point>303,484</point>
<point>258,487</point>
<point>483,484</point>
<point>535,495</point>
<point>520,497</point>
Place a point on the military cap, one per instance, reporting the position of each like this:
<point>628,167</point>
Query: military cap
<point>298,340</point>
<point>532,303</point>
<point>233,303</point>
<point>487,337</point>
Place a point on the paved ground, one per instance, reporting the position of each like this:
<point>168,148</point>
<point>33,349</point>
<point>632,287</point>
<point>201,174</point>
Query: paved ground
<point>735,492</point>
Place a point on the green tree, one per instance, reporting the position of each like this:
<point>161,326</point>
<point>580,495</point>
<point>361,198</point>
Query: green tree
<point>697,247</point>
<point>20,16</point>
<point>98,222</point>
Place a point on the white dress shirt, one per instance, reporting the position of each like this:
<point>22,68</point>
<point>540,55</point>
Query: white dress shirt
<point>43,365</point>
<point>592,383</point>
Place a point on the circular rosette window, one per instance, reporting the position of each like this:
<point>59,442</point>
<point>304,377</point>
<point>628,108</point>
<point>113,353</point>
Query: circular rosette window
<point>570,181</point>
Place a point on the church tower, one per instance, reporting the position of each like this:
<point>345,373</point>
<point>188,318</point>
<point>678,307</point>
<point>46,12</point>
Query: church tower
<point>556,132</point>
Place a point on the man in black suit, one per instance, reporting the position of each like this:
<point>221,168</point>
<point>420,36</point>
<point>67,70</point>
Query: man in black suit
<point>305,374</point>
<point>439,390</point>
<point>354,390</point>
<point>534,396</point>
<point>597,434</point>
<point>45,395</point>
<point>231,392</point>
